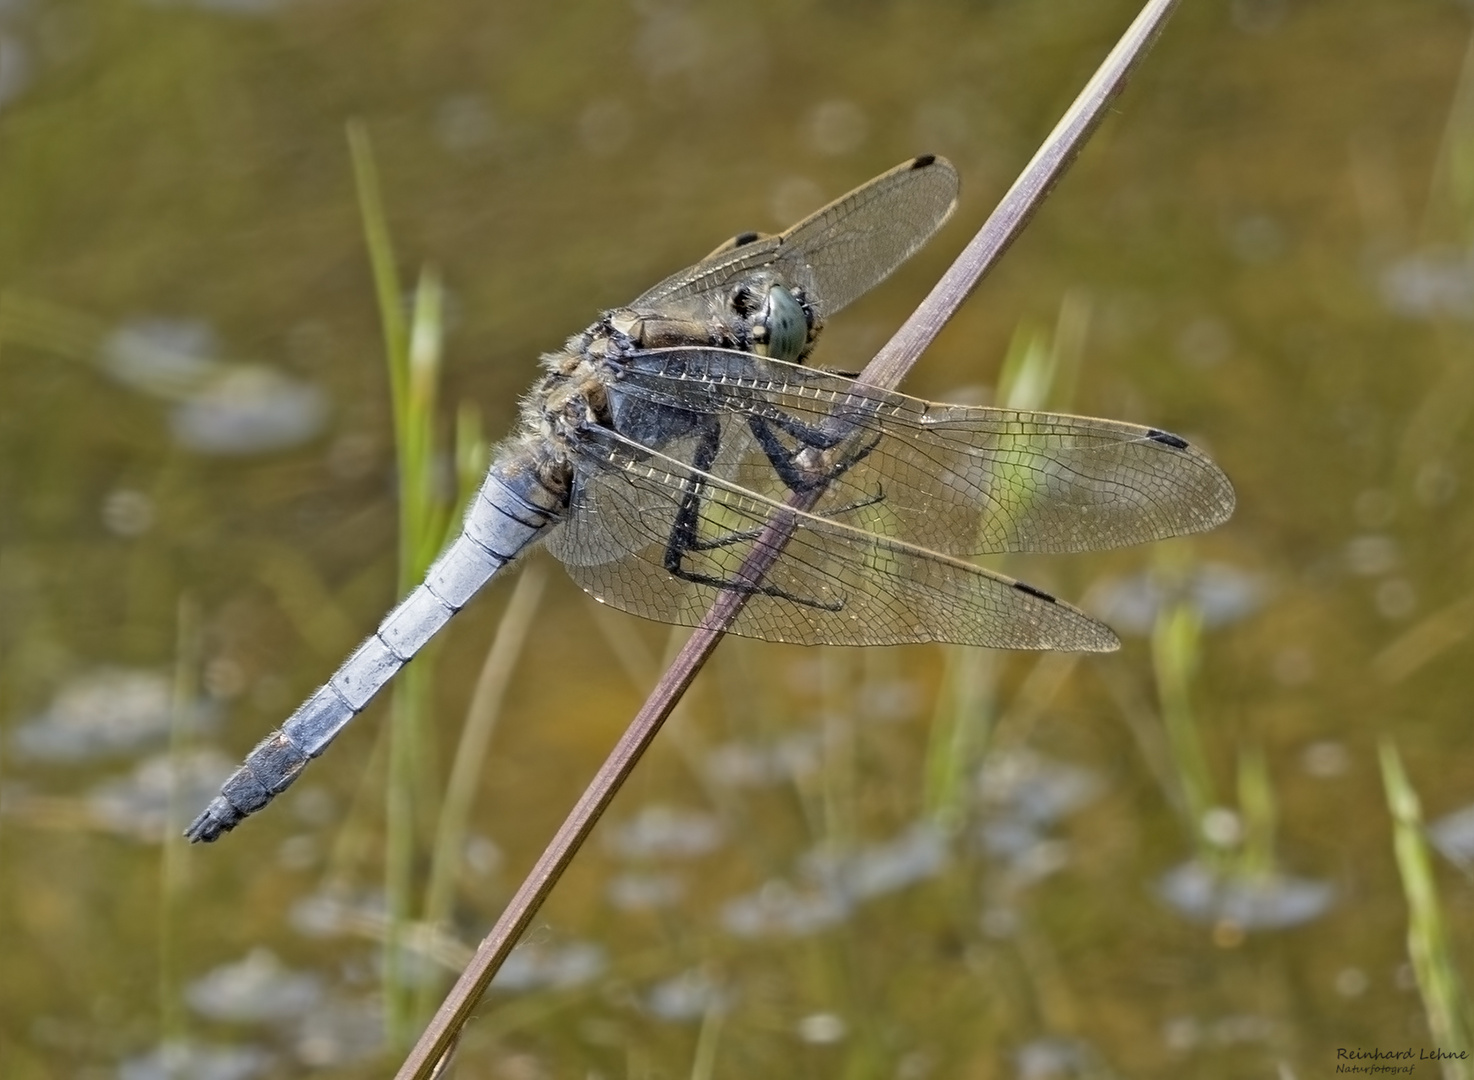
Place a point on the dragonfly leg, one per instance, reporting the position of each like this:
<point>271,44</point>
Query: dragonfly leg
<point>797,477</point>
<point>742,535</point>
<point>685,536</point>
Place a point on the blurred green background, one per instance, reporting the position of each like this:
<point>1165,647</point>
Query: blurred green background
<point>913,862</point>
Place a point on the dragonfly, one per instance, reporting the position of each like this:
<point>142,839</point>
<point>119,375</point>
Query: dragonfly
<point>662,440</point>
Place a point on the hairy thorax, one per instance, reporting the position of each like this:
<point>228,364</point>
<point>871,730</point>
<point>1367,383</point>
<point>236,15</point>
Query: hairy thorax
<point>762,315</point>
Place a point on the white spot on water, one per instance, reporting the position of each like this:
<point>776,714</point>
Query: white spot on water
<point>254,989</point>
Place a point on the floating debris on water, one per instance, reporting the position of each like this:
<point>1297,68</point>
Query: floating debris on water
<point>1372,554</point>
<point>104,712</point>
<point>919,853</point>
<point>219,408</point>
<point>835,882</point>
<point>1222,593</point>
<point>890,699</point>
<point>1435,283</point>
<point>166,358</point>
<point>1054,1056</point>
<point>249,409</point>
<point>330,913</point>
<point>364,914</point>
<point>536,966</point>
<point>340,1033</point>
<point>1453,835</point>
<point>688,996</point>
<point>1023,795</point>
<point>1204,895</point>
<point>16,68</point>
<point>197,1061</point>
<point>1030,857</point>
<point>128,513</point>
<point>139,806</point>
<point>228,7</point>
<point>666,832</point>
<point>751,765</point>
<point>255,989</point>
<point>822,1029</point>
<point>643,892</point>
<point>1026,785</point>
<point>779,909</point>
<point>463,123</point>
<point>837,127</point>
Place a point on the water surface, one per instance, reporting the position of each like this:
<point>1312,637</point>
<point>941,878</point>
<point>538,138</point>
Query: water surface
<point>900,863</point>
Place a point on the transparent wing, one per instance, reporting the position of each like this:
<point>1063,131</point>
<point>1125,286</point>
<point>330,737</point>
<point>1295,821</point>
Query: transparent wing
<point>840,252</point>
<point>832,584</point>
<point>951,478</point>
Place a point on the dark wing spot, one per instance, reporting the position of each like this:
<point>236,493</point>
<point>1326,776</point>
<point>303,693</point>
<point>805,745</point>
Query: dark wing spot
<point>1166,438</point>
<point>1025,587</point>
<point>923,161</point>
<point>742,239</point>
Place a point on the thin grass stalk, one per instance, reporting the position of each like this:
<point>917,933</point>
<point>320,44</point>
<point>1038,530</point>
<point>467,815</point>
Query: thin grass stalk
<point>1260,814</point>
<point>967,705</point>
<point>1429,947</point>
<point>422,528</point>
<point>1067,351</point>
<point>471,454</point>
<point>413,357</point>
<point>470,755</point>
<point>173,1021</point>
<point>40,324</point>
<point>406,716</point>
<point>1026,376</point>
<point>5,710</point>
<point>1030,378</point>
<point>426,510</point>
<point>887,369</point>
<point>960,732</point>
<point>1176,646</point>
<point>839,774</point>
<point>1451,191</point>
<point>704,1060</point>
<point>381,255</point>
<point>353,840</point>
<point>1434,430</point>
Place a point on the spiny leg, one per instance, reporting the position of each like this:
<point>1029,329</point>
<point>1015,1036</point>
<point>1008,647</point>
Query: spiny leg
<point>685,534</point>
<point>742,535</point>
<point>809,437</point>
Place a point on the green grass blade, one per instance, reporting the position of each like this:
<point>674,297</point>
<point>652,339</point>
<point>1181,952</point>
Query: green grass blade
<point>414,359</point>
<point>1259,812</point>
<point>960,732</point>
<point>381,255</point>
<point>704,1061</point>
<point>470,755</point>
<point>174,1020</point>
<point>1176,651</point>
<point>1035,371</point>
<point>1428,944</point>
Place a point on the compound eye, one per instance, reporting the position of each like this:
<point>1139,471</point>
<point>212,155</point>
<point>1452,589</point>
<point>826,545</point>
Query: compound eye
<point>787,325</point>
